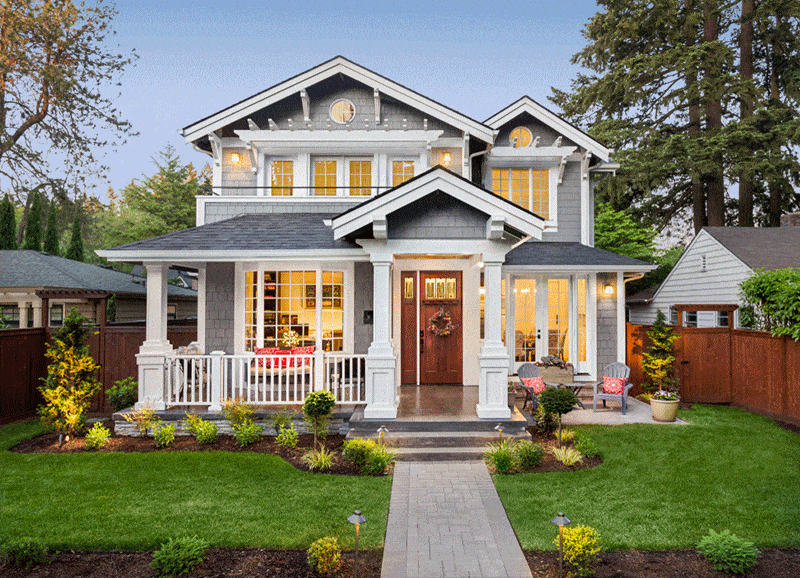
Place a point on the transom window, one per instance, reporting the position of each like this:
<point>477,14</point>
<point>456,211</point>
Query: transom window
<point>528,188</point>
<point>281,178</point>
<point>402,171</point>
<point>440,288</point>
<point>520,137</point>
<point>342,111</point>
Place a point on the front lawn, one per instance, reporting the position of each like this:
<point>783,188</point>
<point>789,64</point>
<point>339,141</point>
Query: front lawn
<point>663,487</point>
<point>137,500</point>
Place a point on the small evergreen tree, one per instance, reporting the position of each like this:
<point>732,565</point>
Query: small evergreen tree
<point>51,232</point>
<point>317,409</point>
<point>75,251</point>
<point>557,401</point>
<point>658,362</point>
<point>33,227</point>
<point>8,225</point>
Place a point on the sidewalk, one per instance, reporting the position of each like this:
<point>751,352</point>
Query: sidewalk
<point>446,520</point>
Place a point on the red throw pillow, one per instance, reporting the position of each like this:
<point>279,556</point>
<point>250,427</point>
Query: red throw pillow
<point>265,351</point>
<point>613,385</point>
<point>536,383</point>
<point>283,359</point>
<point>305,351</point>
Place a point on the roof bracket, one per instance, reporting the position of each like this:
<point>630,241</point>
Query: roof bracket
<point>290,123</point>
<point>252,125</point>
<point>216,148</point>
<point>272,125</point>
<point>376,95</point>
<point>495,227</point>
<point>306,105</point>
<point>561,168</point>
<point>379,227</point>
<point>535,142</point>
<point>557,142</point>
<point>253,157</point>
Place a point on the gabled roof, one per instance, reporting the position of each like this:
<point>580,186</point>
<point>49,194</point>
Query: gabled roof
<point>548,117</point>
<point>761,247</point>
<point>555,255</point>
<point>334,66</point>
<point>32,269</point>
<point>643,297</point>
<point>437,179</point>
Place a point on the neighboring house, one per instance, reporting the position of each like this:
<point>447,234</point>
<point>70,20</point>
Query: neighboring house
<point>709,273</point>
<point>365,222</point>
<point>180,276</point>
<point>38,289</point>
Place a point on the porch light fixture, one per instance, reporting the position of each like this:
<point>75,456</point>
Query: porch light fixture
<point>561,520</point>
<point>356,519</point>
<point>381,432</point>
<point>236,158</point>
<point>608,289</point>
<point>446,159</point>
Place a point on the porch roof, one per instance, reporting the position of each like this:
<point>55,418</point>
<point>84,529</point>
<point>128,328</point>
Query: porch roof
<point>549,256</point>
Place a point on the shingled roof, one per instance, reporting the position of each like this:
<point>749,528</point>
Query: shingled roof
<point>555,254</point>
<point>761,247</point>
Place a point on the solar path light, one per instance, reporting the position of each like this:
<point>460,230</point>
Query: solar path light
<point>561,520</point>
<point>499,429</point>
<point>357,519</point>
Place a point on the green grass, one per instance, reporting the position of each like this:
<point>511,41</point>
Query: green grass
<point>137,500</point>
<point>664,487</point>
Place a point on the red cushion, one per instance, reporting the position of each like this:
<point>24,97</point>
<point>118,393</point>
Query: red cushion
<point>306,350</point>
<point>265,351</point>
<point>613,385</point>
<point>283,359</point>
<point>536,383</point>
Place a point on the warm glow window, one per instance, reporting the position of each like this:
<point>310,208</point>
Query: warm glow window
<point>401,172</point>
<point>360,177</point>
<point>528,188</point>
<point>520,137</point>
<point>281,178</point>
<point>502,308</point>
<point>342,111</point>
<point>525,320</point>
<point>325,178</point>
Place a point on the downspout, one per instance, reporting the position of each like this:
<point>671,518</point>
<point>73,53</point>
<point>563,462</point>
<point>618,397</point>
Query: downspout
<point>477,154</point>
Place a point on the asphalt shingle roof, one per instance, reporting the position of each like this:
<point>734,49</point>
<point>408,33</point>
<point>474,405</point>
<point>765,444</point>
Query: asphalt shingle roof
<point>35,269</point>
<point>553,253</point>
<point>298,231</point>
<point>761,247</point>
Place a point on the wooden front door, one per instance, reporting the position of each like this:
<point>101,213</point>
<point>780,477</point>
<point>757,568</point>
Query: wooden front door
<point>440,356</point>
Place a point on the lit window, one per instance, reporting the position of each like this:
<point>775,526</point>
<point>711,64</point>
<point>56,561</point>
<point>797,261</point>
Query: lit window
<point>582,319</point>
<point>56,315</point>
<point>528,188</point>
<point>360,178</point>
<point>525,320</point>
<point>325,178</point>
<point>342,111</point>
<point>502,308</point>
<point>690,318</point>
<point>282,178</point>
<point>401,172</point>
<point>520,137</point>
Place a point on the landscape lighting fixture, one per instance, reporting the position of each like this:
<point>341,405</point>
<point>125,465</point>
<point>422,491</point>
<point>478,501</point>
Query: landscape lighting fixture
<point>356,519</point>
<point>561,520</point>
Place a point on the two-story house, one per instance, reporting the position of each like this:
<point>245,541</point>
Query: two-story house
<point>383,239</point>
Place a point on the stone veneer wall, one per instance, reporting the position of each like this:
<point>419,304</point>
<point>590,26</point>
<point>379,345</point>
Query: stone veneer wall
<point>219,307</point>
<point>606,323</point>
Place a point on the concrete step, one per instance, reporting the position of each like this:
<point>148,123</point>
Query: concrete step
<point>440,454</point>
<point>432,439</point>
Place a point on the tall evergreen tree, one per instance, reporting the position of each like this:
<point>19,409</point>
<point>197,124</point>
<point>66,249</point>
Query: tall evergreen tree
<point>8,225</point>
<point>75,250</point>
<point>33,227</point>
<point>51,231</point>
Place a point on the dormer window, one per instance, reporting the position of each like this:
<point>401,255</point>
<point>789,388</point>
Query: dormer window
<point>520,137</point>
<point>342,111</point>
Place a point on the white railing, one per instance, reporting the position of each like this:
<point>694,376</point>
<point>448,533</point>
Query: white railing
<point>263,379</point>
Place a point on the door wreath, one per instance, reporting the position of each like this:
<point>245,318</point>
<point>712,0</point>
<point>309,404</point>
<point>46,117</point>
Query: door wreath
<point>441,324</point>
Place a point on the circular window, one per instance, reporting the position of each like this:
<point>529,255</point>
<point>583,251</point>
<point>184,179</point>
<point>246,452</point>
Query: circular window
<point>520,137</point>
<point>342,111</point>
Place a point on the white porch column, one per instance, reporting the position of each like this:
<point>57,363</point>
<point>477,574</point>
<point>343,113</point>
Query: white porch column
<point>621,352</point>
<point>23,315</point>
<point>492,390</point>
<point>152,353</point>
<point>381,361</point>
<point>201,307</point>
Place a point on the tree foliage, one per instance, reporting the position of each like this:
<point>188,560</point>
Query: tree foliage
<point>617,232</point>
<point>75,250</point>
<point>33,226</point>
<point>658,362</point>
<point>54,63</point>
<point>557,401</point>
<point>51,236</point>
<point>8,225</point>
<point>771,302</point>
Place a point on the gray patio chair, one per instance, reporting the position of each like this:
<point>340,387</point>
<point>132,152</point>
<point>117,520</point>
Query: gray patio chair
<point>616,369</point>
<point>525,371</point>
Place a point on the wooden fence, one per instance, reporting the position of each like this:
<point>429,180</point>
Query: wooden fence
<point>749,369</point>
<point>22,363</point>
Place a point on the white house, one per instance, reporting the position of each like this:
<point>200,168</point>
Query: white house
<point>391,240</point>
<point>709,272</point>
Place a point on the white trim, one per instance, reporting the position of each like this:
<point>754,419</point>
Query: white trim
<point>232,255</point>
<point>587,237</point>
<point>201,307</point>
<point>577,268</point>
<point>591,324</point>
<point>338,65</point>
<point>527,104</point>
<point>621,317</point>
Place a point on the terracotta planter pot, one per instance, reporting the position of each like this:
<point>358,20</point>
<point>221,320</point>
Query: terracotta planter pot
<point>664,410</point>
<point>556,374</point>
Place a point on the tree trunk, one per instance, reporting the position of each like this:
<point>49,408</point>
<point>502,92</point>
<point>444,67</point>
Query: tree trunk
<point>699,217</point>
<point>23,222</point>
<point>775,184</point>
<point>746,70</point>
<point>715,180</point>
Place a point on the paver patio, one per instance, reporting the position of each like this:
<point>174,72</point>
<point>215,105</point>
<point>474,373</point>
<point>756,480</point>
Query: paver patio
<point>446,520</point>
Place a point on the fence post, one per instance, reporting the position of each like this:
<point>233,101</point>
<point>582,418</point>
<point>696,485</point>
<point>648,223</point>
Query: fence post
<point>216,380</point>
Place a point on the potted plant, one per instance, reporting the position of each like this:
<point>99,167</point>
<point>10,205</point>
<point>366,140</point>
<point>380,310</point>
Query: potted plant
<point>512,395</point>
<point>658,364</point>
<point>554,369</point>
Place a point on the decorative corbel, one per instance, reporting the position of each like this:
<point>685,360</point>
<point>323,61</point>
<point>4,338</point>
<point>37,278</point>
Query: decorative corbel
<point>290,123</point>
<point>376,95</point>
<point>379,227</point>
<point>272,125</point>
<point>561,168</point>
<point>557,142</point>
<point>535,142</point>
<point>587,157</point>
<point>252,125</point>
<point>306,105</point>
<point>253,157</point>
<point>495,227</point>
<point>216,148</point>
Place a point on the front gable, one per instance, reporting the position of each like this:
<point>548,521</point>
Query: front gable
<point>437,215</point>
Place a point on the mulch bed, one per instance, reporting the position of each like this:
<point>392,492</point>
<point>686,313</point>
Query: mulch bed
<point>48,444</point>
<point>230,562</point>
<point>549,462</point>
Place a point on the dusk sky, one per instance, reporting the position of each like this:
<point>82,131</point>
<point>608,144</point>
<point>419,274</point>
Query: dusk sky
<point>199,57</point>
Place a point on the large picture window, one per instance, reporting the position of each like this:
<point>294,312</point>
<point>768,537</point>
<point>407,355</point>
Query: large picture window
<point>528,188</point>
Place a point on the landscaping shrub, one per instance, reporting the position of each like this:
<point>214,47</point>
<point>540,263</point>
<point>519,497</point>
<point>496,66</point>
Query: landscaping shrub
<point>318,459</point>
<point>501,455</point>
<point>97,436</point>
<point>566,435</point>
<point>247,432</point>
<point>70,383</point>
<point>358,450</point>
<point>281,420</point>
<point>587,446</point>
<point>557,401</point>
<point>178,556</point>
<point>378,460</point>
<point>528,454</point>
<point>317,409</point>
<point>727,552</point>
<point>123,394</point>
<point>568,456</point>
<point>324,556</point>
<point>658,362</point>
<point>237,412</point>
<point>546,422</point>
<point>23,552</point>
<point>205,432</point>
<point>581,546</point>
<point>164,435</point>
<point>772,302</point>
<point>287,438</point>
<point>144,419</point>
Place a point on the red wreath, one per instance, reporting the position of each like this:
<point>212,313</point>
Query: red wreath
<point>441,324</point>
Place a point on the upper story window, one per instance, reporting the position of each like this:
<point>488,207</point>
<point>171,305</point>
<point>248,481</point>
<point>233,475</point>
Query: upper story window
<point>402,171</point>
<point>282,178</point>
<point>529,188</point>
<point>352,176</point>
<point>520,137</point>
<point>342,111</point>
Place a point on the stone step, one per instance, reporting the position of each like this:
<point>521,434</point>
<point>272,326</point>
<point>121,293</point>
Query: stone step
<point>420,440</point>
<point>440,454</point>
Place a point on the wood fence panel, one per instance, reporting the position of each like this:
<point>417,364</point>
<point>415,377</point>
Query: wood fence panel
<point>636,343</point>
<point>22,364</point>
<point>792,391</point>
<point>703,363</point>
<point>758,373</point>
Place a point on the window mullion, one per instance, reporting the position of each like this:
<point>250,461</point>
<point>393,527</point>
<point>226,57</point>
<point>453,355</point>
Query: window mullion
<point>260,306</point>
<point>318,320</point>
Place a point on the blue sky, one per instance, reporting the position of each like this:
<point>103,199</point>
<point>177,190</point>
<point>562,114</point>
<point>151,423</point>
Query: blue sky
<point>198,57</point>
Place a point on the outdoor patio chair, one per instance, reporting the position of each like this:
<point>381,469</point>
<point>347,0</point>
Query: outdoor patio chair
<point>618,370</point>
<point>526,371</point>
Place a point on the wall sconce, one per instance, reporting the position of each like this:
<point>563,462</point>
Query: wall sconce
<point>236,158</point>
<point>447,159</point>
<point>608,289</point>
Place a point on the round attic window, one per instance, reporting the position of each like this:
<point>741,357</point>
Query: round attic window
<point>342,111</point>
<point>520,137</point>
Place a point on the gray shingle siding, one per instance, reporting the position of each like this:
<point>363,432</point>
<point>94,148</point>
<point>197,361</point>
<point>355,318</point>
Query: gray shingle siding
<point>437,217</point>
<point>569,206</point>
<point>606,324</point>
<point>363,302</point>
<point>219,307</point>
<point>221,211</point>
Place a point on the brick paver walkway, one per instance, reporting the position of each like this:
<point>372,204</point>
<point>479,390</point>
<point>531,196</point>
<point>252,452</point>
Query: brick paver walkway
<point>446,519</point>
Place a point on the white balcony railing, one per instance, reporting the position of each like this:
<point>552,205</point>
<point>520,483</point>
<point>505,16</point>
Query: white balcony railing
<point>263,379</point>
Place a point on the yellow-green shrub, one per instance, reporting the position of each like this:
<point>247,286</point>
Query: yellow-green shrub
<point>324,556</point>
<point>97,436</point>
<point>581,546</point>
